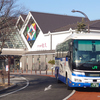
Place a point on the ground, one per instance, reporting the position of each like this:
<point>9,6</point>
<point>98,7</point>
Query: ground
<point>3,86</point>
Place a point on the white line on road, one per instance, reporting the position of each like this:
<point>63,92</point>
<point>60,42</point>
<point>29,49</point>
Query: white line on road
<point>48,88</point>
<point>69,95</point>
<point>98,96</point>
<point>18,89</point>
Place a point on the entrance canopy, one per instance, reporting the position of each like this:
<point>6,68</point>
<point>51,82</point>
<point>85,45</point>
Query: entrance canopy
<point>14,41</point>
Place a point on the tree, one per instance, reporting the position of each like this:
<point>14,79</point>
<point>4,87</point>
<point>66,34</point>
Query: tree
<point>8,17</point>
<point>52,62</point>
<point>81,26</point>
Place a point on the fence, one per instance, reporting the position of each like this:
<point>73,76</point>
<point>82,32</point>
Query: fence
<point>33,72</point>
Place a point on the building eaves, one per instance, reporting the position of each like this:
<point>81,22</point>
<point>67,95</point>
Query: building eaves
<point>40,52</point>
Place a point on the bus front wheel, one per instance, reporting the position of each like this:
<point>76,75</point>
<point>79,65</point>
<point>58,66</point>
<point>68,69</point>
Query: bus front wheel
<point>68,87</point>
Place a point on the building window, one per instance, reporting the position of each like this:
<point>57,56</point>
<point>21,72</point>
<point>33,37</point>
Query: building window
<point>20,23</point>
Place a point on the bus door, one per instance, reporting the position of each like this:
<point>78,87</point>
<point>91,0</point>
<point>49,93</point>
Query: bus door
<point>62,69</point>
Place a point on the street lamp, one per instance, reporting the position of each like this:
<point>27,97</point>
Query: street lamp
<point>85,17</point>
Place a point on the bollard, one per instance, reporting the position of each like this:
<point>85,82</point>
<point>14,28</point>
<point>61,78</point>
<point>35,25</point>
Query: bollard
<point>35,72</point>
<point>52,71</point>
<point>13,70</point>
<point>17,70</point>
<point>31,71</point>
<point>26,70</point>
<point>46,71</point>
<point>22,70</point>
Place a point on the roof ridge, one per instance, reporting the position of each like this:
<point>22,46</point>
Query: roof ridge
<point>57,14</point>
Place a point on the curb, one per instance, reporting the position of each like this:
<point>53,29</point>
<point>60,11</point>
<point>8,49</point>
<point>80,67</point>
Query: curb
<point>8,87</point>
<point>73,92</point>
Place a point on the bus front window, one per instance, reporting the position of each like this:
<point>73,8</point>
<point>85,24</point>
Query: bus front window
<point>86,54</point>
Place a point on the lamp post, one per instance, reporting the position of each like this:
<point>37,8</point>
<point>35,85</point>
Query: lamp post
<point>85,17</point>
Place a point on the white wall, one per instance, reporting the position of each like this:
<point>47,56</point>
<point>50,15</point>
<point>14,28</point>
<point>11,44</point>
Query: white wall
<point>58,39</point>
<point>41,43</point>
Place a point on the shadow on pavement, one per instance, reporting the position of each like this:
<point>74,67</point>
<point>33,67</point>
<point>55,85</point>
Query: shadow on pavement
<point>87,89</point>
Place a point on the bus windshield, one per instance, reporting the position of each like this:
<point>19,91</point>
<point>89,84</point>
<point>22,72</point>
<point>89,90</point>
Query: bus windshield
<point>86,55</point>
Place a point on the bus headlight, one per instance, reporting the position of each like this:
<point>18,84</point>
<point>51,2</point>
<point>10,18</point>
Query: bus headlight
<point>77,80</point>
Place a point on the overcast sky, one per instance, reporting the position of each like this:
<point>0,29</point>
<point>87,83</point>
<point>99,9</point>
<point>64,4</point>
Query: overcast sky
<point>90,7</point>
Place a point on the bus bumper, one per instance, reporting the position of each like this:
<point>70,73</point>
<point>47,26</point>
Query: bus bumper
<point>77,84</point>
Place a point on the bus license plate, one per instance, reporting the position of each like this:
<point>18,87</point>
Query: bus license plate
<point>94,84</point>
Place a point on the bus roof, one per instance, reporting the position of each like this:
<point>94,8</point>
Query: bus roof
<point>84,36</point>
<point>93,36</point>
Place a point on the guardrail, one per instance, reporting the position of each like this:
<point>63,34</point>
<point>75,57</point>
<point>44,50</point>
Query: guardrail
<point>35,72</point>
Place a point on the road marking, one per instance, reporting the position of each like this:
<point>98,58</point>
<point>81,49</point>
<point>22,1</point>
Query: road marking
<point>18,89</point>
<point>48,88</point>
<point>69,95</point>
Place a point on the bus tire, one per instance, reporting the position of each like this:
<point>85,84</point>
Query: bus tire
<point>68,87</point>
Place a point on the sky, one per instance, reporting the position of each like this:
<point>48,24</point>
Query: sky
<point>64,7</point>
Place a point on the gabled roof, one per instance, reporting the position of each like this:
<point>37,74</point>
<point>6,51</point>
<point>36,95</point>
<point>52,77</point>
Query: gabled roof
<point>23,16</point>
<point>51,22</point>
<point>95,25</point>
<point>92,25</point>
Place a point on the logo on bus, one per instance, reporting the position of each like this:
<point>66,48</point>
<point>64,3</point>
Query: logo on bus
<point>95,67</point>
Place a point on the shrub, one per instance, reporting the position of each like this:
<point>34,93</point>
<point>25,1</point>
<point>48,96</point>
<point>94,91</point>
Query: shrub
<point>51,62</point>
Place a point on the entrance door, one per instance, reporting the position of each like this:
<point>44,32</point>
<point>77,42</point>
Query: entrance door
<point>16,64</point>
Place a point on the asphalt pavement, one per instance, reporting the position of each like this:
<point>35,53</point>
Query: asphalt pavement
<point>35,87</point>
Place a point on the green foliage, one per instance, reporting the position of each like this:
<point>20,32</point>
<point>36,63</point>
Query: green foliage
<point>51,62</point>
<point>81,26</point>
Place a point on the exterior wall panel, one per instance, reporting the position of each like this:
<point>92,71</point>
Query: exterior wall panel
<point>42,62</point>
<point>36,63</point>
<point>29,62</point>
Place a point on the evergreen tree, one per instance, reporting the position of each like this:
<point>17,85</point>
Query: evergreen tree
<point>81,26</point>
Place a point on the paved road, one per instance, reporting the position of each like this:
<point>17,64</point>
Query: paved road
<point>39,88</point>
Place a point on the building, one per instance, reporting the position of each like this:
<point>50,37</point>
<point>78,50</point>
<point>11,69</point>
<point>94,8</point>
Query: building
<point>37,36</point>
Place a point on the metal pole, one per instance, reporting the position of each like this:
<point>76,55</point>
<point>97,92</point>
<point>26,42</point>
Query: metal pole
<point>85,17</point>
<point>8,70</point>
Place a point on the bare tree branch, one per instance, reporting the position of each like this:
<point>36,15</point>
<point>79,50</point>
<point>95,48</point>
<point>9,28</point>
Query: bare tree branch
<point>8,17</point>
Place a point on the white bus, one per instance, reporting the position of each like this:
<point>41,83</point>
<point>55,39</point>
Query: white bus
<point>77,61</point>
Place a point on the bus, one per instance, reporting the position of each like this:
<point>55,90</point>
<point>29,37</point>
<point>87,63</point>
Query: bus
<point>77,60</point>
